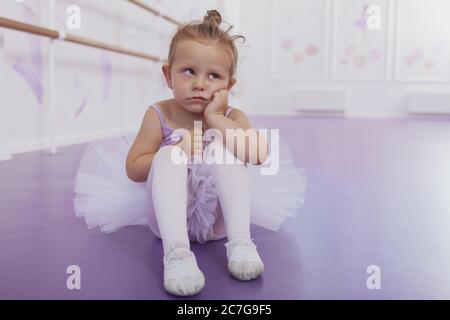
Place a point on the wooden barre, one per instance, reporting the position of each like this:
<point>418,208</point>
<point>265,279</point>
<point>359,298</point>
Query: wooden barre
<point>53,34</point>
<point>20,26</point>
<point>154,11</point>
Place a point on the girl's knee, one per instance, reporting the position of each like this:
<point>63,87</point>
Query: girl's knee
<point>164,151</point>
<point>172,154</point>
<point>167,160</point>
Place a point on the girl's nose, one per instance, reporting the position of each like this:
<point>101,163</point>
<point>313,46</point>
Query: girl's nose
<point>199,84</point>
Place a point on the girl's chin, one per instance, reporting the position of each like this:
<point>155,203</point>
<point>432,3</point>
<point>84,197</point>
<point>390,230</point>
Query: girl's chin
<point>195,107</point>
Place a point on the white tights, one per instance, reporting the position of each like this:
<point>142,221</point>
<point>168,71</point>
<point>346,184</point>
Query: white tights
<point>168,187</point>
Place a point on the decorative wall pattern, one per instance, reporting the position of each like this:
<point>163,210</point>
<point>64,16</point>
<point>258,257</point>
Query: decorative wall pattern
<point>359,53</point>
<point>303,31</point>
<point>298,39</point>
<point>423,37</point>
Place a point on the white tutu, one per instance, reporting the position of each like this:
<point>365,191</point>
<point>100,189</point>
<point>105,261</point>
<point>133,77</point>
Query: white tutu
<point>107,198</point>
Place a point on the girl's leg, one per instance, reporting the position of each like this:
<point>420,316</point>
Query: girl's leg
<point>168,188</point>
<point>233,187</point>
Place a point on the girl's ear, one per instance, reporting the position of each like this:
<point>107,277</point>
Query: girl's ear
<point>166,72</point>
<point>231,83</point>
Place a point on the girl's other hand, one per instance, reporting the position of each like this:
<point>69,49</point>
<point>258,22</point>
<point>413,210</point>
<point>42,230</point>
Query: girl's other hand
<point>187,144</point>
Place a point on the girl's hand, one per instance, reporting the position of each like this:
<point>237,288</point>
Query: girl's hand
<point>187,144</point>
<point>218,104</point>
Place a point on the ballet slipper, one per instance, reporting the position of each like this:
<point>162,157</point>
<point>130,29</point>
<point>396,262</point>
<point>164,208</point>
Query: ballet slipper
<point>244,262</point>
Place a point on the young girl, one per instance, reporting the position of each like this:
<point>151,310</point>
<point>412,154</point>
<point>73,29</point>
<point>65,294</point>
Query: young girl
<point>196,199</point>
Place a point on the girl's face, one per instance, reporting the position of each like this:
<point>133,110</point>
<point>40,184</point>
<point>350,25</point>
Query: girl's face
<point>198,70</point>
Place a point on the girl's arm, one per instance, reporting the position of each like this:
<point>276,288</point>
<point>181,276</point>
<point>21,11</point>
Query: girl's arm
<point>139,169</point>
<point>255,149</point>
<point>144,147</point>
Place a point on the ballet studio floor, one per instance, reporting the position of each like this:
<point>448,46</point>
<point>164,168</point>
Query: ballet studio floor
<point>378,195</point>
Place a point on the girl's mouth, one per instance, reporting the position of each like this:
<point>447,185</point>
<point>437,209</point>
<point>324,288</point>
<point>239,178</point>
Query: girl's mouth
<point>198,98</point>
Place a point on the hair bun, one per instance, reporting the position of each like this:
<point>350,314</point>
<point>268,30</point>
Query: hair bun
<point>213,17</point>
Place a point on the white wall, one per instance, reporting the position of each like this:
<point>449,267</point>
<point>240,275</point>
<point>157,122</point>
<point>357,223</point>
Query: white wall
<point>262,94</point>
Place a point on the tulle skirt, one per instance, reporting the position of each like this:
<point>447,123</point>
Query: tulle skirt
<point>108,199</point>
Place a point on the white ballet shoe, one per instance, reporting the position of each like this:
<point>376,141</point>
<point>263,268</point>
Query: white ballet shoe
<point>182,277</point>
<point>244,262</point>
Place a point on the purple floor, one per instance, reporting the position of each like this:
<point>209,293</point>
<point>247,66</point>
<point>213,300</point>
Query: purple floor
<point>378,194</point>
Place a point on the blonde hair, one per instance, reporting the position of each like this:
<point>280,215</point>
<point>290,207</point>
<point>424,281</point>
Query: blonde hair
<point>207,31</point>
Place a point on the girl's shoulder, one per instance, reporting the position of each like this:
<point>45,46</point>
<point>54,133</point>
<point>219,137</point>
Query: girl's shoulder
<point>162,105</point>
<point>162,108</point>
<point>240,117</point>
<point>234,112</point>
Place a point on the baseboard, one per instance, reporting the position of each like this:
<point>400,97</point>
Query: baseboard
<point>428,103</point>
<point>5,154</point>
<point>322,102</point>
<point>346,115</point>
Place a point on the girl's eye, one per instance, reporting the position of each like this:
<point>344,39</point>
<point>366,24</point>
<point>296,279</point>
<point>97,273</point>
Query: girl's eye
<point>190,71</point>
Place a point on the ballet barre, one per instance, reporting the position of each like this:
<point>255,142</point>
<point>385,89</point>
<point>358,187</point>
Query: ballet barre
<point>62,36</point>
<point>146,7</point>
<point>54,34</point>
